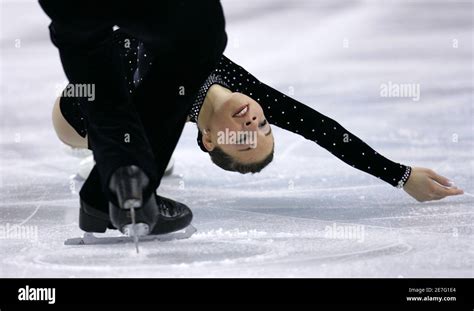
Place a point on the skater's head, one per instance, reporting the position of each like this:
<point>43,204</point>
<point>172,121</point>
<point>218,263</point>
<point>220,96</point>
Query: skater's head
<point>236,134</point>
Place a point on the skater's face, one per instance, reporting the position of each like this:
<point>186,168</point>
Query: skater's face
<point>240,128</point>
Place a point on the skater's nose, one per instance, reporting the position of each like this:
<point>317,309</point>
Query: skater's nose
<point>251,123</point>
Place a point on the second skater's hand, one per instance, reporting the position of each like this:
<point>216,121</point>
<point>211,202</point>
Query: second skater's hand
<point>426,185</point>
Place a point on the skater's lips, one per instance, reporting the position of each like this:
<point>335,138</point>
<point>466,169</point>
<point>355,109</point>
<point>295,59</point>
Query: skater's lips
<point>242,111</point>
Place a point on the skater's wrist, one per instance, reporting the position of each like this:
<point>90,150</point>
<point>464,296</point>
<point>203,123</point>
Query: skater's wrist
<point>405,177</point>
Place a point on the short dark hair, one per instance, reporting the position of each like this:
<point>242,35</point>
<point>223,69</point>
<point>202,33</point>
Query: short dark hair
<point>226,162</point>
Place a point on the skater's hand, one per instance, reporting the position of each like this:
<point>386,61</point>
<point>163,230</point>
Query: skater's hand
<point>426,185</point>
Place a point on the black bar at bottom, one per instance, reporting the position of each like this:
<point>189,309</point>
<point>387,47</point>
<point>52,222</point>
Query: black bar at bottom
<point>450,292</point>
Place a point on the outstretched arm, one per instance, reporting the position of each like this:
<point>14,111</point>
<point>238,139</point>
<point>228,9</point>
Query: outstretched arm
<point>287,113</point>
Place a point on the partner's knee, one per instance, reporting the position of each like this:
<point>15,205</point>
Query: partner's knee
<point>65,132</point>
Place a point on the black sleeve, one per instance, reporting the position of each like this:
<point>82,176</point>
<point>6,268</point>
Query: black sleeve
<point>289,114</point>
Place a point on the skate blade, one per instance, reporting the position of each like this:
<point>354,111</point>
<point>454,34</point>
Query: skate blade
<point>91,239</point>
<point>139,229</point>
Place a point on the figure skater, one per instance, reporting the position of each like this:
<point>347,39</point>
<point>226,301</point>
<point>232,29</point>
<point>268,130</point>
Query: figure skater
<point>233,100</point>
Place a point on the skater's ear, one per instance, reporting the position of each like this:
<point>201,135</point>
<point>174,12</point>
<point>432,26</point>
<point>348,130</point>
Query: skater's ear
<point>207,141</point>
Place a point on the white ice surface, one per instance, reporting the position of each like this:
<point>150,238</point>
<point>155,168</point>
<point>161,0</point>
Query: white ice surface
<point>271,224</point>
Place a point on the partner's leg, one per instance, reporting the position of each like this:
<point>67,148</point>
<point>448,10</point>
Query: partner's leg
<point>170,35</point>
<point>185,36</point>
<point>114,129</point>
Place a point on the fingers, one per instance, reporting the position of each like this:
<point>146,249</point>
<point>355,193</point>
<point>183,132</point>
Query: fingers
<point>439,179</point>
<point>442,192</point>
<point>452,191</point>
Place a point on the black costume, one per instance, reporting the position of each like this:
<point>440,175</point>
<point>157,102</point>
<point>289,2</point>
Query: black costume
<point>279,109</point>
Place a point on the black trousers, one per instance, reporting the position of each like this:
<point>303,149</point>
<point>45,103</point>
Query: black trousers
<point>184,39</point>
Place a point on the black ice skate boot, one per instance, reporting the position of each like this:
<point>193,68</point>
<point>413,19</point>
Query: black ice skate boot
<point>94,210</point>
<point>132,213</point>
